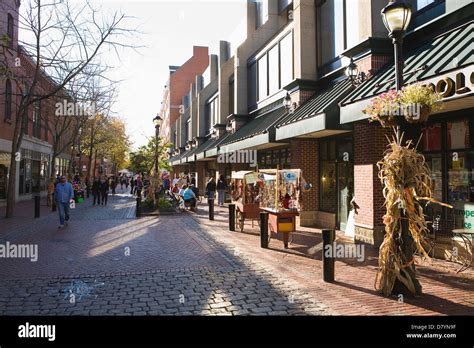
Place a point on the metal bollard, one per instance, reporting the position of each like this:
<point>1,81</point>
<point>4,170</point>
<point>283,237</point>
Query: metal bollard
<point>328,262</point>
<point>232,217</point>
<point>54,204</point>
<point>37,206</point>
<point>264,230</point>
<point>139,207</point>
<point>211,208</point>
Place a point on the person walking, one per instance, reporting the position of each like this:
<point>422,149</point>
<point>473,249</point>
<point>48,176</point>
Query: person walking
<point>211,189</point>
<point>139,186</point>
<point>96,191</point>
<point>132,186</point>
<point>104,191</point>
<point>51,188</point>
<point>63,194</point>
<point>221,190</point>
<point>113,184</point>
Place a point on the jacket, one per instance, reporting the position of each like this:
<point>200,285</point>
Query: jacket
<point>63,193</point>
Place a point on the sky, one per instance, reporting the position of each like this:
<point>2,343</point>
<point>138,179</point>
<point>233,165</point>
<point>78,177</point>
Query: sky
<point>166,32</point>
<point>170,29</point>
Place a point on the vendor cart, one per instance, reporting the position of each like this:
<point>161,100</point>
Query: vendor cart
<point>244,194</point>
<point>280,198</point>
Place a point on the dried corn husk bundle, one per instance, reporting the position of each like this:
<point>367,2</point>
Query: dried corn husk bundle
<point>407,186</point>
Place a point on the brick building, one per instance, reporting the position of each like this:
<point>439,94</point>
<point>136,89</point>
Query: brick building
<point>34,166</point>
<point>302,48</point>
<point>180,78</point>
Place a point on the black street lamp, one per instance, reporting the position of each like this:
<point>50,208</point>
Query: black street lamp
<point>157,122</point>
<point>396,17</point>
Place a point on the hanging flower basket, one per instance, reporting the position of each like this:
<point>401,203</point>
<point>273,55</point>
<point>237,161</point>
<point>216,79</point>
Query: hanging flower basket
<point>419,102</point>
<point>414,102</point>
<point>384,108</point>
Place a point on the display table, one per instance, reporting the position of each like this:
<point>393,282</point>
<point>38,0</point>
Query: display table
<point>282,221</point>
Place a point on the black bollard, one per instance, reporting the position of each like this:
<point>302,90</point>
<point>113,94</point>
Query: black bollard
<point>264,230</point>
<point>328,260</point>
<point>139,207</point>
<point>232,217</point>
<point>37,206</point>
<point>211,208</point>
<point>54,204</point>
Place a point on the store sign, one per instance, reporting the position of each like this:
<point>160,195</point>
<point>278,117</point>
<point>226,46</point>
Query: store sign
<point>455,84</point>
<point>466,213</point>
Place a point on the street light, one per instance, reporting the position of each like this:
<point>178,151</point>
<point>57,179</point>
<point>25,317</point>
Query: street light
<point>157,122</point>
<point>396,17</point>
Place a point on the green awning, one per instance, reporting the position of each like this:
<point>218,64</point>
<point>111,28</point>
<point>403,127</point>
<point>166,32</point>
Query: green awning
<point>319,113</point>
<point>254,133</point>
<point>451,51</point>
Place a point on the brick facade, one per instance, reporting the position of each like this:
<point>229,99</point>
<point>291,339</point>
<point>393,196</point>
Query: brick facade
<point>304,156</point>
<point>370,144</point>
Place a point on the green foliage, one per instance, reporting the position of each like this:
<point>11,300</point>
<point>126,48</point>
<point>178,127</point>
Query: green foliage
<point>164,204</point>
<point>143,160</point>
<point>148,203</point>
<point>422,95</point>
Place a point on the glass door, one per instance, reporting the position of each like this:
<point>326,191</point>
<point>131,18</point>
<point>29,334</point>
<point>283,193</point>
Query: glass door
<point>345,192</point>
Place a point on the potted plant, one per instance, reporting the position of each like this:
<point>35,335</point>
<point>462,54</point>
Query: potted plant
<point>383,108</point>
<point>418,102</point>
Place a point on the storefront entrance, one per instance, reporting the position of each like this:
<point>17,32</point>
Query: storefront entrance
<point>346,191</point>
<point>336,178</point>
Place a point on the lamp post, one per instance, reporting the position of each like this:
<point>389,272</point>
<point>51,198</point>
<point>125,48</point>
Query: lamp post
<point>396,17</point>
<point>157,121</point>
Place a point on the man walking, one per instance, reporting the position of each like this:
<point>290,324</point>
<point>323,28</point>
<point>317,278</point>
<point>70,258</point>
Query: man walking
<point>104,191</point>
<point>63,195</point>
<point>96,191</point>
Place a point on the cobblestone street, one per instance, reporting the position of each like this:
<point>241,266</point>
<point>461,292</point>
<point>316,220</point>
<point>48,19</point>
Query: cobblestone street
<point>106,262</point>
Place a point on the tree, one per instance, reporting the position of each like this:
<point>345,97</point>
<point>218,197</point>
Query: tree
<point>143,160</point>
<point>65,40</point>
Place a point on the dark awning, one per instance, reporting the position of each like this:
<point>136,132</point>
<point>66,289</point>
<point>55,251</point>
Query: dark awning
<point>319,113</point>
<point>444,55</point>
<point>256,132</point>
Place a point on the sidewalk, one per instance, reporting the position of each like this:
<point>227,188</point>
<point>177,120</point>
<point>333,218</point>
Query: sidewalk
<point>353,293</point>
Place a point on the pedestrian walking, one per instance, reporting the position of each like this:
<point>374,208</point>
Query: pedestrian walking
<point>127,183</point>
<point>96,191</point>
<point>132,186</point>
<point>221,190</point>
<point>211,188</point>
<point>139,186</point>
<point>51,188</point>
<point>63,194</point>
<point>113,184</point>
<point>104,191</point>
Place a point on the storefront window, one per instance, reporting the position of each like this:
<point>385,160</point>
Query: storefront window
<point>458,134</point>
<point>274,158</point>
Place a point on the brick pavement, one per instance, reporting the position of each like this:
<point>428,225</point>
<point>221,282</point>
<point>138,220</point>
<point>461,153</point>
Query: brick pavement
<point>445,292</point>
<point>186,264</point>
<point>174,266</point>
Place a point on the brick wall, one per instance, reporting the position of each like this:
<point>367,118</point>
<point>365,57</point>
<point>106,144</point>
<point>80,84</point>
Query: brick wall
<point>181,80</point>
<point>370,144</point>
<point>370,64</point>
<point>304,156</point>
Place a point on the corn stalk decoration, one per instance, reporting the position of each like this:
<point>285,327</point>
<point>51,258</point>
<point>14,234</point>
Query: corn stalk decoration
<point>407,188</point>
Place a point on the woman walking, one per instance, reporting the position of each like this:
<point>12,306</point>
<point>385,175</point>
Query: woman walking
<point>221,190</point>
